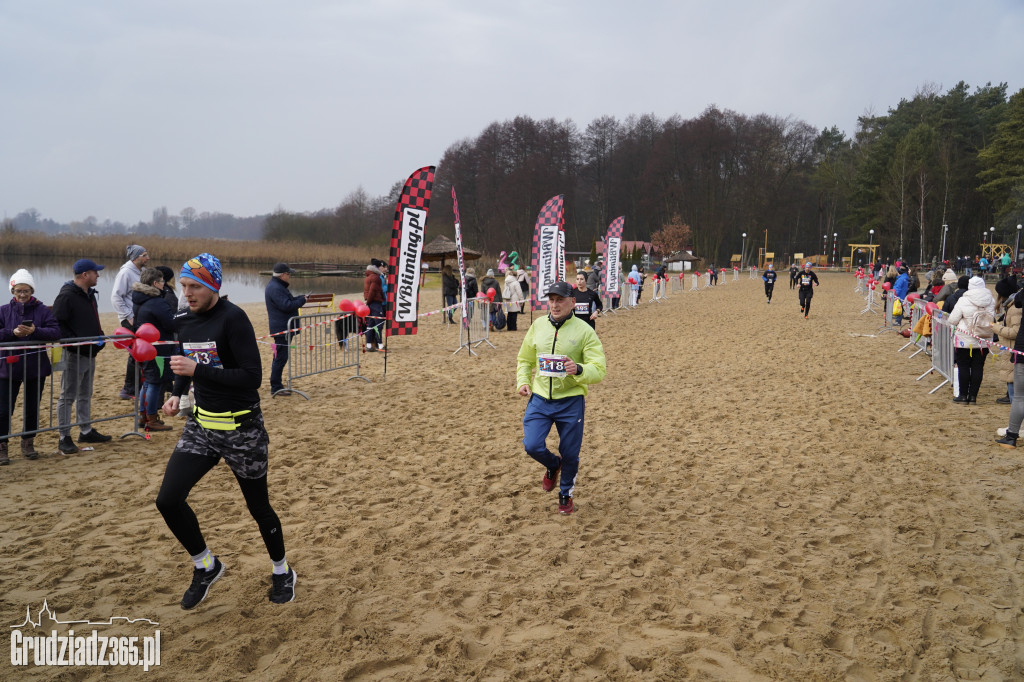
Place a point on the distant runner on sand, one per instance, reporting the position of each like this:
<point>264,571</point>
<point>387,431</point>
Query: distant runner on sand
<point>807,281</point>
<point>769,278</point>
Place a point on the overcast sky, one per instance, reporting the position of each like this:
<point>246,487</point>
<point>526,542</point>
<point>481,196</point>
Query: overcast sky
<point>114,108</point>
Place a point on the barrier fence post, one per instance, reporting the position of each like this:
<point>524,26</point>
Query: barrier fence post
<point>57,352</point>
<point>943,335</point>
<point>483,310</point>
<point>325,342</point>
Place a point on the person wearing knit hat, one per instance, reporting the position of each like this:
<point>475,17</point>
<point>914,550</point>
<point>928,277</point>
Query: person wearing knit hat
<point>205,269</point>
<point>220,357</point>
<point>121,300</point>
<point>25,318</point>
<point>973,315</point>
<point>948,286</point>
<point>23,276</point>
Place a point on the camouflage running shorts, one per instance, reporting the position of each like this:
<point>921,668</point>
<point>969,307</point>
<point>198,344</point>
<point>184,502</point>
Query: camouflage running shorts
<point>244,449</point>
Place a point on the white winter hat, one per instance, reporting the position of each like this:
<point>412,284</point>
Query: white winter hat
<point>23,276</point>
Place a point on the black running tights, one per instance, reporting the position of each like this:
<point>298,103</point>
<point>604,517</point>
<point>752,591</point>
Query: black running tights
<point>183,471</point>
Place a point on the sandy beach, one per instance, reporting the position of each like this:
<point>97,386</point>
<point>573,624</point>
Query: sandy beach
<point>761,497</point>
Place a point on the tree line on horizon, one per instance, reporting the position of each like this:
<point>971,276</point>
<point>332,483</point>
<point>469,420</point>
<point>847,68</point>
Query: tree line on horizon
<point>952,158</point>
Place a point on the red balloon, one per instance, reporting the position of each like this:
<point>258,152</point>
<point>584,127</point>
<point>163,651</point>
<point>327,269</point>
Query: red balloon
<point>346,306</point>
<point>491,293</point>
<point>913,297</point>
<point>147,332</point>
<point>481,294</point>
<point>142,350</point>
<point>887,285</point>
<point>930,308</point>
<point>362,311</point>
<point>123,343</point>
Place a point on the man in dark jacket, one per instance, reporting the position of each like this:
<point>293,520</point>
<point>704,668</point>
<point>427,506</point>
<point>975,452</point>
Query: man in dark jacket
<point>77,312</point>
<point>281,306</point>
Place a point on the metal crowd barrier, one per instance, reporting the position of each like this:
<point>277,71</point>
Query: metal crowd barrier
<point>326,342</point>
<point>677,284</point>
<point>49,397</point>
<point>943,335</point>
<point>753,272</point>
<point>887,300</point>
<point>695,278</point>
<point>917,312</point>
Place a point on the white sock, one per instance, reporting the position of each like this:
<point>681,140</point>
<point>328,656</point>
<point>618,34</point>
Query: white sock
<point>204,560</point>
<point>281,567</point>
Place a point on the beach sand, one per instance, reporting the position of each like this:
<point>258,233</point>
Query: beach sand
<point>761,497</point>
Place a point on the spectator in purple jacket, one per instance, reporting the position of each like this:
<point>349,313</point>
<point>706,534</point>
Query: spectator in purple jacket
<point>25,320</point>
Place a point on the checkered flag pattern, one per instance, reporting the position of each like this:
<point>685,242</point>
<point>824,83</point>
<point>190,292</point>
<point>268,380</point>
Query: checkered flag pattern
<point>455,206</point>
<point>550,214</point>
<point>415,194</point>
<point>614,231</point>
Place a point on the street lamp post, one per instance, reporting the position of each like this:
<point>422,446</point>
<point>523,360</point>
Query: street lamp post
<point>945,229</point>
<point>835,236</point>
<point>1016,249</point>
<point>743,252</point>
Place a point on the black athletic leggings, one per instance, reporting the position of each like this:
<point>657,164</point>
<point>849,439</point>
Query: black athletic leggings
<point>183,471</point>
<point>805,300</point>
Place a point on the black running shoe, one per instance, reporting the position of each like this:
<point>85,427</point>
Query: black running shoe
<point>201,581</point>
<point>94,436</point>
<point>67,446</point>
<point>283,590</point>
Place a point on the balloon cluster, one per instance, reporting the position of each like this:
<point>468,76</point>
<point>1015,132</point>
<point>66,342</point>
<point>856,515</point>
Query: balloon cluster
<point>360,310</point>
<point>140,345</point>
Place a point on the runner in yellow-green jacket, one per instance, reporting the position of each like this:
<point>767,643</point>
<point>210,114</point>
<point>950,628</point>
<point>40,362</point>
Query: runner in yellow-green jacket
<point>567,356</point>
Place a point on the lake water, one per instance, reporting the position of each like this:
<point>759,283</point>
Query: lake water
<point>244,284</point>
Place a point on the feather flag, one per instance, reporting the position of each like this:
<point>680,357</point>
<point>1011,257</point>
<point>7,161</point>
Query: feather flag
<point>462,260</point>
<point>613,257</point>
<point>545,258</point>
<point>407,236</point>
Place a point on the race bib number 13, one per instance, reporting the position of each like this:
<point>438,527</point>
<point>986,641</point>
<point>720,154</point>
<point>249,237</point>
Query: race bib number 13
<point>203,352</point>
<point>551,365</point>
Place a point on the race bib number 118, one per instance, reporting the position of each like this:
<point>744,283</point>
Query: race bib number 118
<point>551,365</point>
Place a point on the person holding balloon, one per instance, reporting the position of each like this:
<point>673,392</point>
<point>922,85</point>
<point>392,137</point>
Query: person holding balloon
<point>150,307</point>
<point>373,294</point>
<point>221,358</point>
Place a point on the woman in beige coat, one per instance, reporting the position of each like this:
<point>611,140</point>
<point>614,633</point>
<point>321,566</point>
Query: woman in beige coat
<point>1006,328</point>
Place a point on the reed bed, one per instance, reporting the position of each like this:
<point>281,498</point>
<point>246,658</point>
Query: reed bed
<point>112,247</point>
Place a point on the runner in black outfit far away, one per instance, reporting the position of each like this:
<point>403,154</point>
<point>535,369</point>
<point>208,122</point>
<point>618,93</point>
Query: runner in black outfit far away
<point>807,281</point>
<point>588,303</point>
<point>219,356</point>
<point>769,278</point>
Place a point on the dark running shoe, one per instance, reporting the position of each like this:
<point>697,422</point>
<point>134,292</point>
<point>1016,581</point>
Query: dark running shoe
<point>550,479</point>
<point>67,446</point>
<point>565,505</point>
<point>94,436</point>
<point>201,581</point>
<point>1008,441</point>
<point>126,395</point>
<point>1005,400</point>
<point>283,590</point>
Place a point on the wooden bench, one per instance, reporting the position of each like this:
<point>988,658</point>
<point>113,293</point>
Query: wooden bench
<point>318,303</point>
